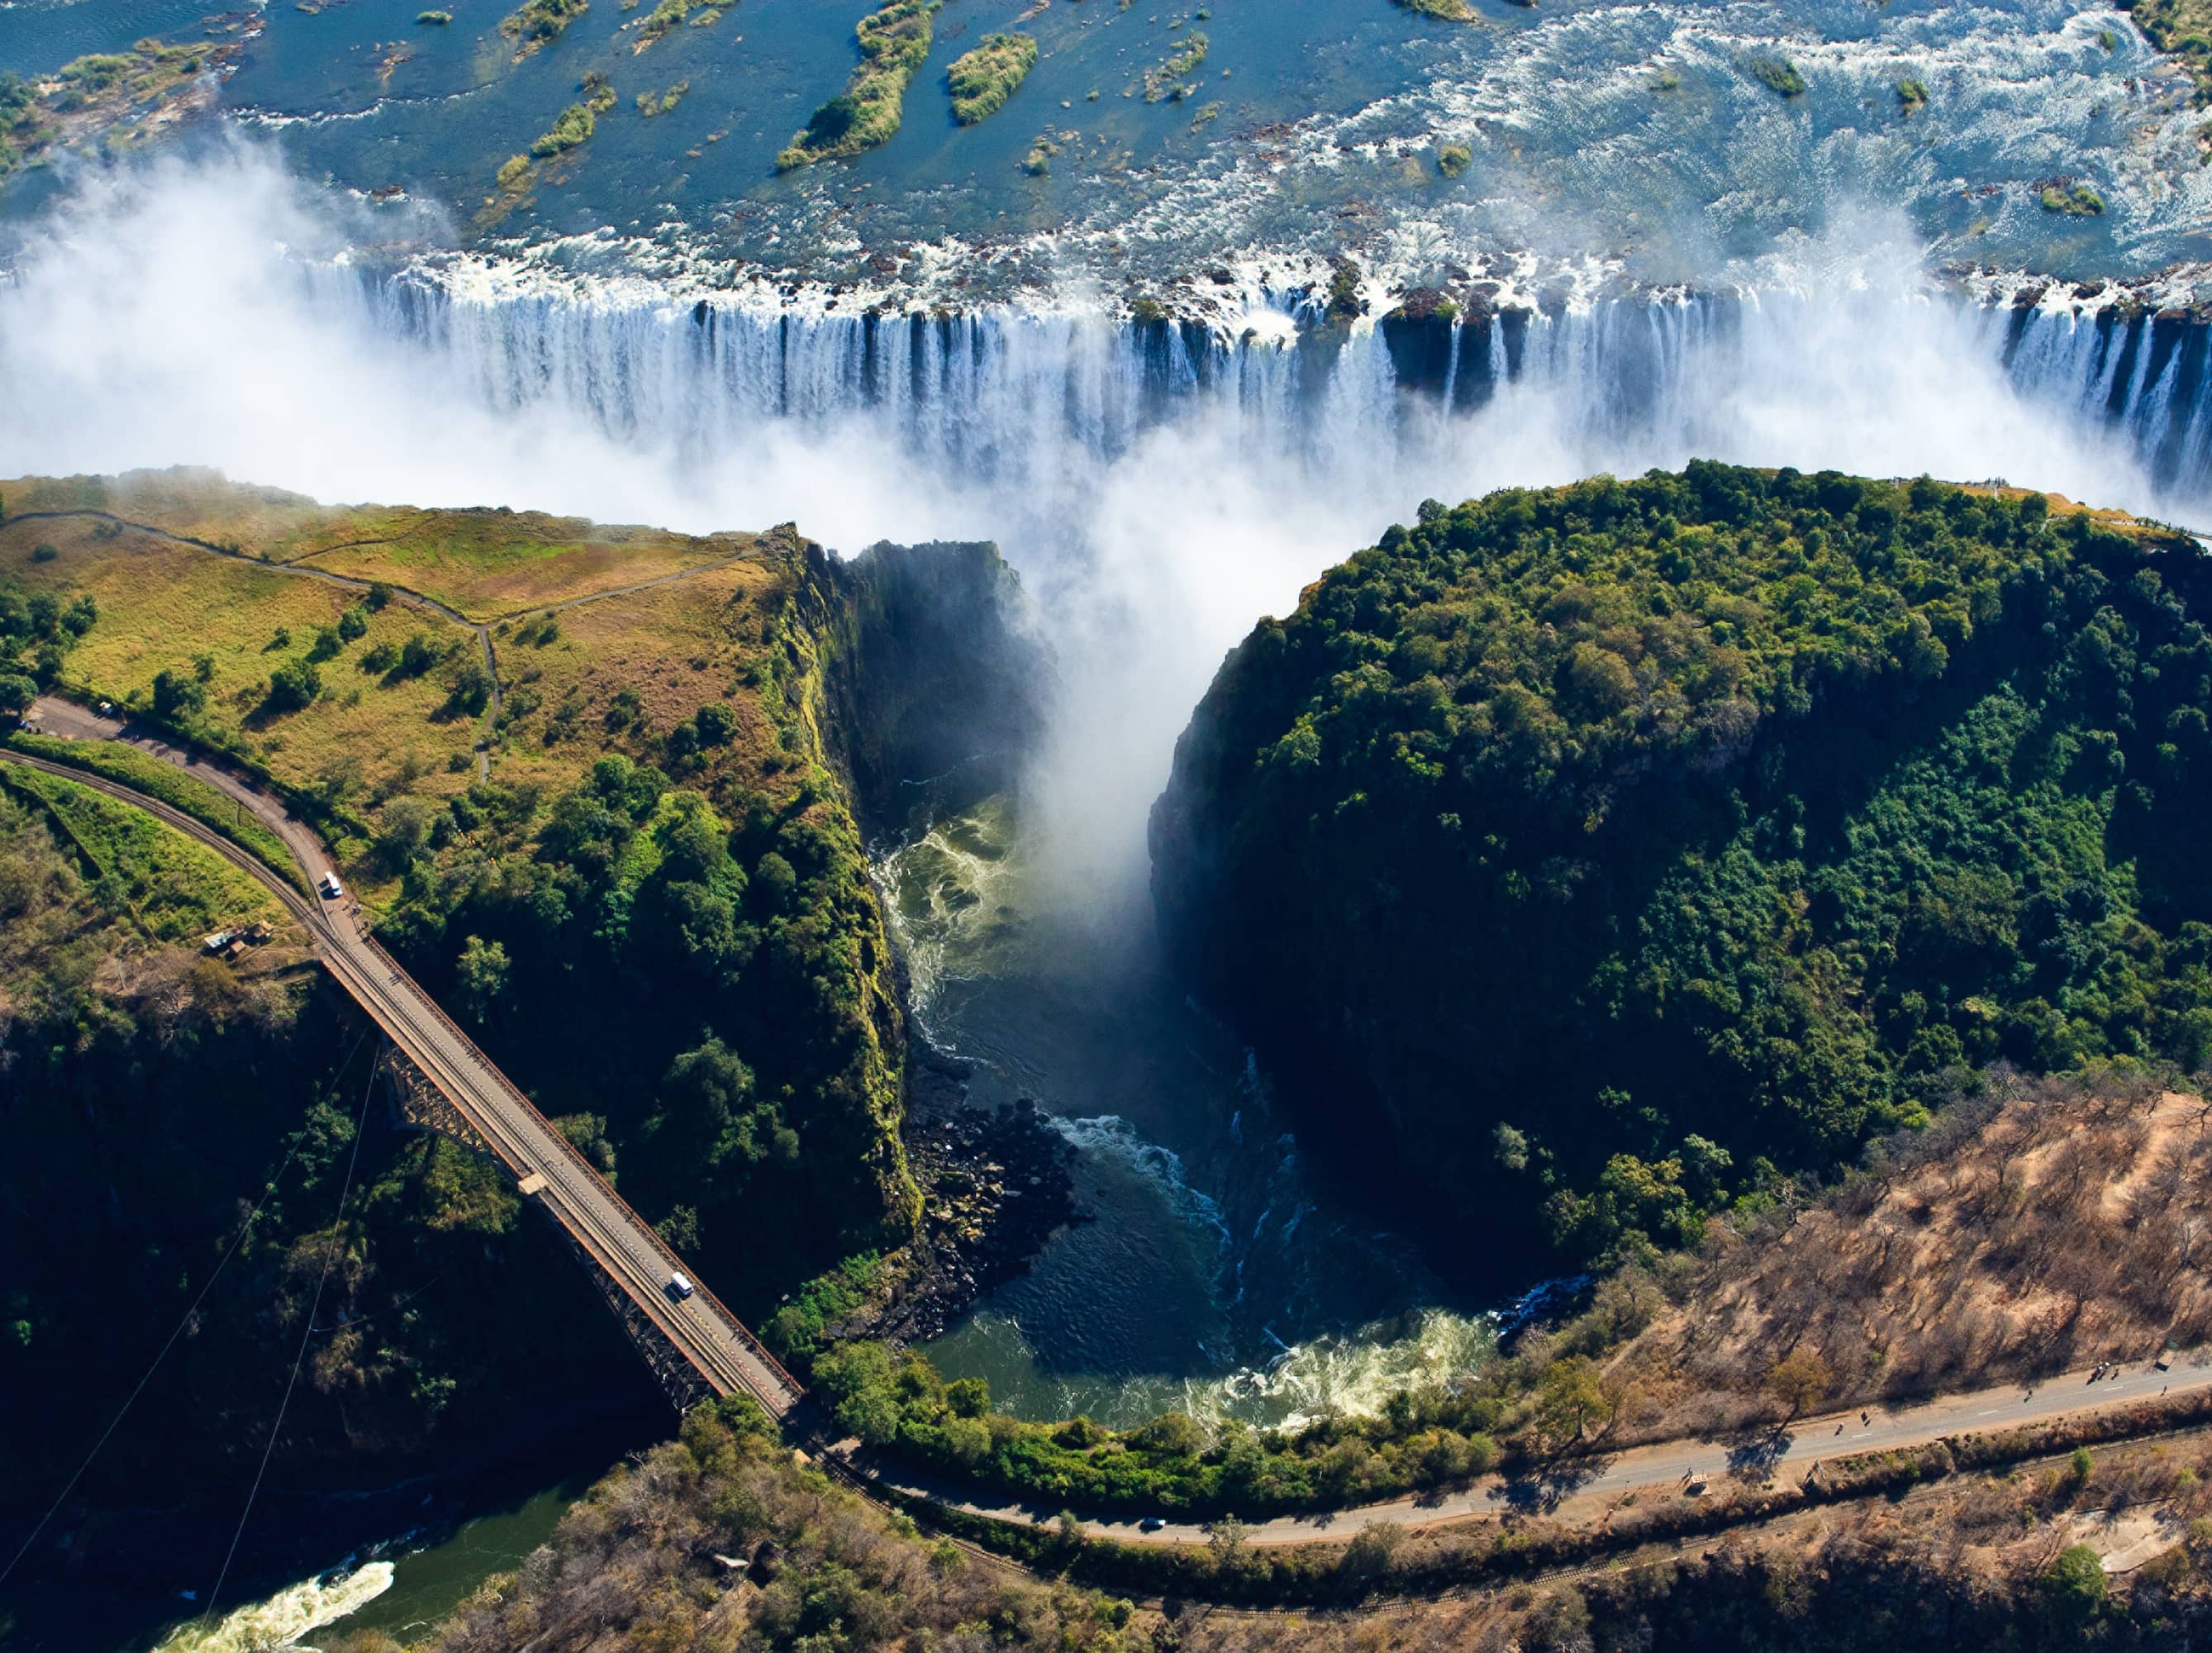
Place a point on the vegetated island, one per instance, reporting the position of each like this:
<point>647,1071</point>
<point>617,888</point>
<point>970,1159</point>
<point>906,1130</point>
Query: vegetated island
<point>655,912</point>
<point>114,100</point>
<point>894,42</point>
<point>537,23</point>
<point>1451,11</point>
<point>2183,30</point>
<point>2071,199</point>
<point>670,14</point>
<point>571,129</point>
<point>1165,82</point>
<point>983,80</point>
<point>1777,74</point>
<point>1601,856</point>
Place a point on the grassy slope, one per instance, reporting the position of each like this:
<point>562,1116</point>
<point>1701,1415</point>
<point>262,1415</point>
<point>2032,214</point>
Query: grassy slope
<point>146,772</point>
<point>613,676</point>
<point>162,884</point>
<point>675,648</point>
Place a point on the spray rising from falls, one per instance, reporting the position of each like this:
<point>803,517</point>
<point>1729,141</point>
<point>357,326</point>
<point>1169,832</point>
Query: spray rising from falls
<point>2113,397</point>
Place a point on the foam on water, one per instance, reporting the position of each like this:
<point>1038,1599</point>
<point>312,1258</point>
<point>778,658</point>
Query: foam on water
<point>280,1621</point>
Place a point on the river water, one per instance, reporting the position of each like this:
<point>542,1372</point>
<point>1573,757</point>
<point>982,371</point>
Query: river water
<point>1218,1273</point>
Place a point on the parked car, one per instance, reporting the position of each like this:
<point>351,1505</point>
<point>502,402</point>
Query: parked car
<point>330,886</point>
<point>678,1287</point>
<point>1151,1524</point>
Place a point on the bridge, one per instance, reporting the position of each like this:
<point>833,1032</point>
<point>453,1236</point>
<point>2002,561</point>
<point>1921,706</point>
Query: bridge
<point>695,1345</point>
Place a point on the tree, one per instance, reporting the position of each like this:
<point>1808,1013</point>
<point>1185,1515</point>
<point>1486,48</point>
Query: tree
<point>293,687</point>
<point>1800,1381</point>
<point>968,1397</point>
<point>16,694</point>
<point>1170,1432</point>
<point>1368,1555</point>
<point>481,974</point>
<point>1569,1398</point>
<point>2075,1585</point>
<point>680,1227</point>
<point>715,722</point>
<point>1227,1538</point>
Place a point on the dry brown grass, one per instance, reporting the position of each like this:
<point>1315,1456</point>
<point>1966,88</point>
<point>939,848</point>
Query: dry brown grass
<point>2042,1229</point>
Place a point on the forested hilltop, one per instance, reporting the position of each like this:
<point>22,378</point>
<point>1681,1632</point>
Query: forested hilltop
<point>1614,853</point>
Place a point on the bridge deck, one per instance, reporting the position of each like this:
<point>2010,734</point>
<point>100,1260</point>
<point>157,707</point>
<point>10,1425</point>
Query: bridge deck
<point>614,1237</point>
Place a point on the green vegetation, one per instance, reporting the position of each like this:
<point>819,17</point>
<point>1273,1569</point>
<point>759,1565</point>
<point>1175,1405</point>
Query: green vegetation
<point>171,889</point>
<point>665,852</point>
<point>1165,82</point>
<point>1454,159</point>
<point>1777,74</point>
<point>669,14</point>
<point>153,1094</point>
<point>1037,163</point>
<point>110,98</point>
<point>648,106</point>
<point>2072,200</point>
<point>575,125</point>
<point>1172,1463</point>
<point>143,772</point>
<point>1452,11</point>
<point>1911,95</point>
<point>894,41</point>
<point>25,131</point>
<point>536,23</point>
<point>439,18</point>
<point>1643,842</point>
<point>983,80</point>
<point>2183,30</point>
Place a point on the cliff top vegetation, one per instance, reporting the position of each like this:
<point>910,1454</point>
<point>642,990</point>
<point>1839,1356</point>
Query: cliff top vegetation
<point>1676,834</point>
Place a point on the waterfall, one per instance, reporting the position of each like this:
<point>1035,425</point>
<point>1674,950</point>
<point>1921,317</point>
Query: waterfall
<point>1001,396</point>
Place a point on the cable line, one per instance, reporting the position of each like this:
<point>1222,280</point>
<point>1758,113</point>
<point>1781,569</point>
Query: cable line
<point>245,1229</point>
<point>361,1125</point>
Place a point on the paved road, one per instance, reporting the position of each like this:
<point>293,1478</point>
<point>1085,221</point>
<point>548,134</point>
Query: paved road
<point>616,1237</point>
<point>1586,1490</point>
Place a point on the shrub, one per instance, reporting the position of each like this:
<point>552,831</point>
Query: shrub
<point>575,125</point>
<point>2075,1585</point>
<point>1454,159</point>
<point>1777,74</point>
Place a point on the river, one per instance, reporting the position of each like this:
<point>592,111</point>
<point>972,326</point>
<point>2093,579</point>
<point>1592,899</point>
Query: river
<point>1217,1273</point>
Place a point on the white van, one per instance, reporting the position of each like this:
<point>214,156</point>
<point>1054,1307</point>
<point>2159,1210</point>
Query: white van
<point>678,1287</point>
<point>329,887</point>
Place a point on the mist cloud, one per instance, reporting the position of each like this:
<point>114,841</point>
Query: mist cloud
<point>161,316</point>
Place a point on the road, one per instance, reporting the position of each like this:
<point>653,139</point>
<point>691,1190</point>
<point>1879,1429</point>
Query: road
<point>1587,1488</point>
<point>616,1239</point>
